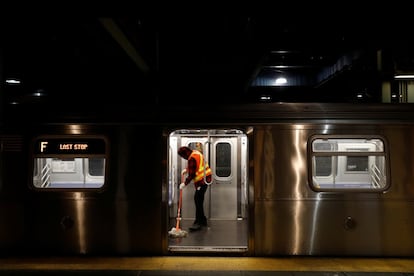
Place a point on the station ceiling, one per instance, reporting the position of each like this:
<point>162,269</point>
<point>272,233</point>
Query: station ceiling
<point>190,57</point>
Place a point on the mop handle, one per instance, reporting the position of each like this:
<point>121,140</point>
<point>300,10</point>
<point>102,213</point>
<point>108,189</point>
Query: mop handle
<point>177,226</point>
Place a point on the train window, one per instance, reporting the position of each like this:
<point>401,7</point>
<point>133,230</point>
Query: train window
<point>96,166</point>
<point>323,164</point>
<point>348,164</point>
<point>223,159</point>
<point>66,163</point>
<point>357,164</point>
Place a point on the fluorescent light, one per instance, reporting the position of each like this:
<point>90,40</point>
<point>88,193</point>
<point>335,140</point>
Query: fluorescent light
<point>265,98</point>
<point>39,93</point>
<point>404,77</point>
<point>12,81</point>
<point>281,81</point>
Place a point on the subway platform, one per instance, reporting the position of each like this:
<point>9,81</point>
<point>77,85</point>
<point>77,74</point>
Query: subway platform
<point>194,266</point>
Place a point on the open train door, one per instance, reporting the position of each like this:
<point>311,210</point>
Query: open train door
<point>226,201</point>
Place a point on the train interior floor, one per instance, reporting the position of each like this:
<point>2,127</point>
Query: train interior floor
<point>218,236</point>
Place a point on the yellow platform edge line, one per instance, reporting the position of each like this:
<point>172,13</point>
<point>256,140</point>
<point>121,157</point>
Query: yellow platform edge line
<point>212,263</point>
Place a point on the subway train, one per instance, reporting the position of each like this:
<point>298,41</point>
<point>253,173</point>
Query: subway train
<point>289,179</point>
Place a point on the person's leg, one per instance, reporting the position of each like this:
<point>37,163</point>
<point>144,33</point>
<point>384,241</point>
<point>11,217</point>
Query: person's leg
<point>200,216</point>
<point>200,219</point>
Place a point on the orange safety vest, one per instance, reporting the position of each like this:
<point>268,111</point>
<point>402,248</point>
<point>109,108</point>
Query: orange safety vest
<point>200,173</point>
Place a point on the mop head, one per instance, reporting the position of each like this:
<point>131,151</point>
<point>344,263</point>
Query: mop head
<point>177,233</point>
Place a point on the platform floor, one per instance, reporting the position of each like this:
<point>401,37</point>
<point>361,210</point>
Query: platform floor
<point>243,266</point>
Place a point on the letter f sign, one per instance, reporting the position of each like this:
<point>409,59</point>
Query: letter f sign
<point>43,146</point>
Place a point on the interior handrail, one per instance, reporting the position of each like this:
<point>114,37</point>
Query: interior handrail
<point>206,157</point>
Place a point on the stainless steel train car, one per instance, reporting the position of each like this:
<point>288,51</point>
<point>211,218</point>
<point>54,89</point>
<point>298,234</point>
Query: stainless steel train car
<point>288,179</point>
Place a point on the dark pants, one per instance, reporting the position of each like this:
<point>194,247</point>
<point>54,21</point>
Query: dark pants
<point>199,204</point>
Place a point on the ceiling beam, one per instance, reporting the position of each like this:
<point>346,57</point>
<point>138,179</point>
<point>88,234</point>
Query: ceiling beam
<point>124,42</point>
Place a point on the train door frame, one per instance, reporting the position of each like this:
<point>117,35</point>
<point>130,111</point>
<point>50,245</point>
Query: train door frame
<point>239,145</point>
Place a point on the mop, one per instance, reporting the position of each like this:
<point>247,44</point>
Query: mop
<point>176,231</point>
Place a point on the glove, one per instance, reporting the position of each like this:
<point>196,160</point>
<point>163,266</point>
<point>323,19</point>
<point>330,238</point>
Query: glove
<point>182,186</point>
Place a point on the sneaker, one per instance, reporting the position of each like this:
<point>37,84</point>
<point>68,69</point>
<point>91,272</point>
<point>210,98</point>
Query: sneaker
<point>195,227</point>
